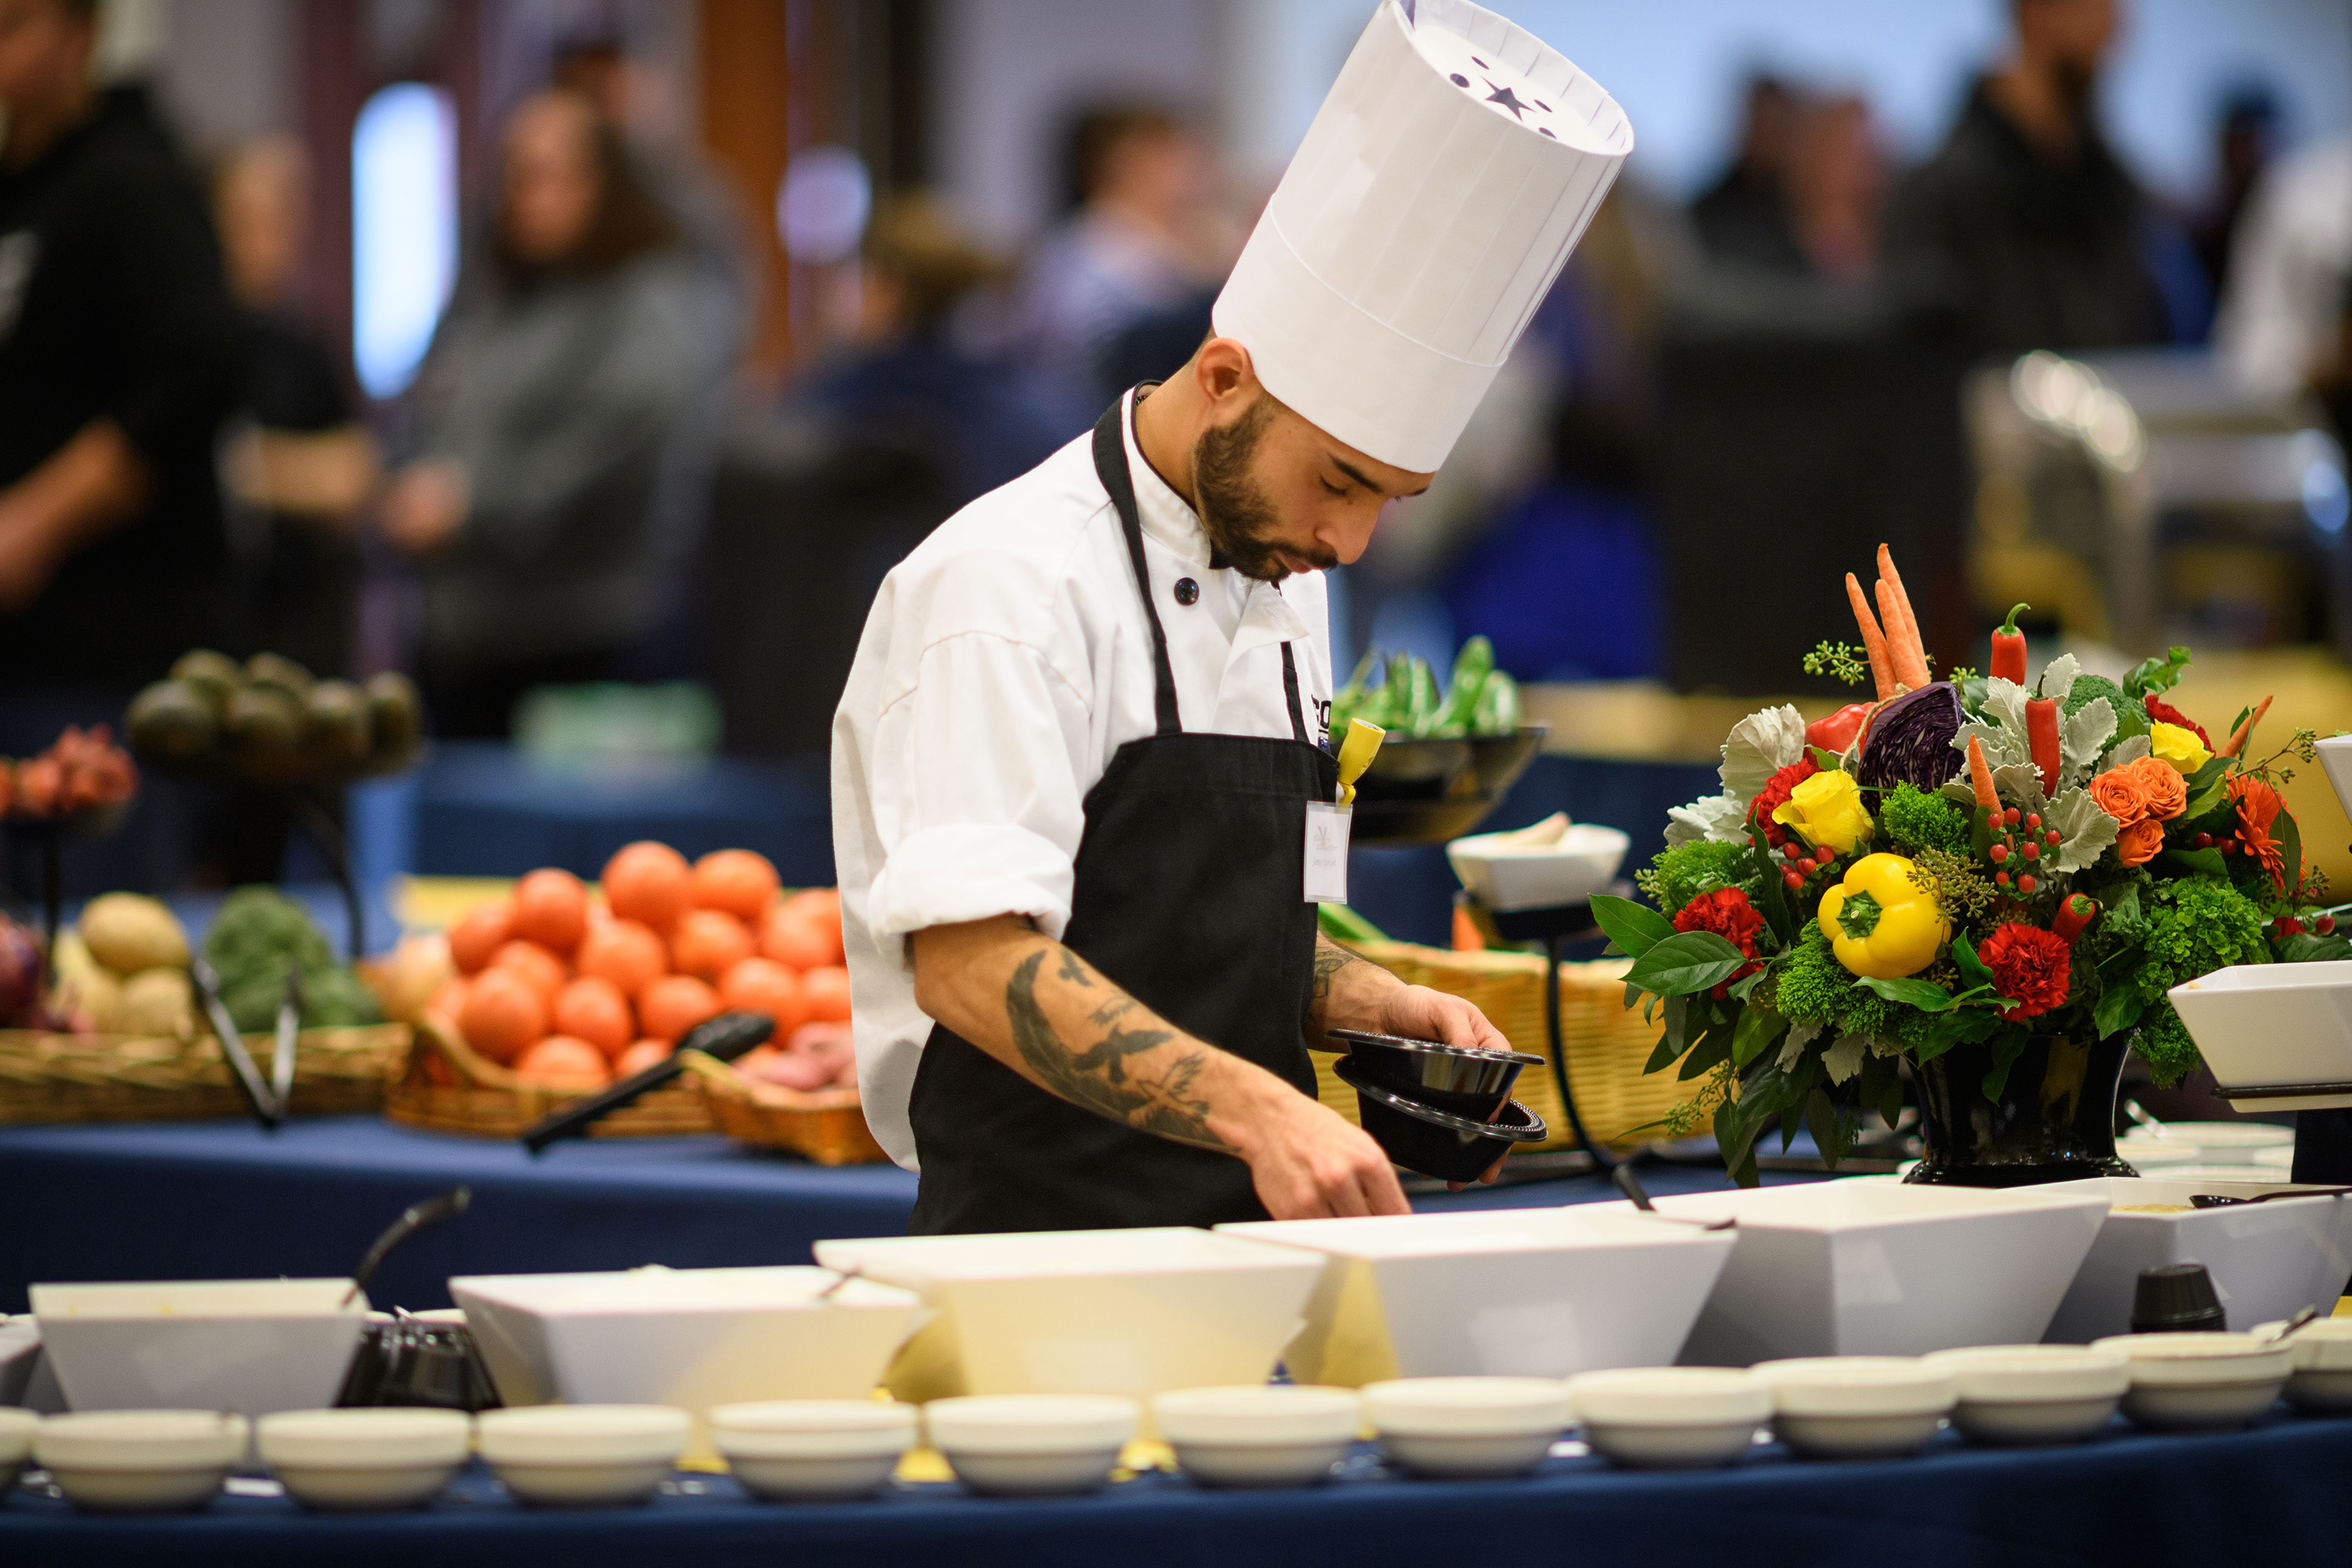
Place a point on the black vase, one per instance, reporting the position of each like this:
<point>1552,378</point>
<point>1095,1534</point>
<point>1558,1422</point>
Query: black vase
<point>2053,1121</point>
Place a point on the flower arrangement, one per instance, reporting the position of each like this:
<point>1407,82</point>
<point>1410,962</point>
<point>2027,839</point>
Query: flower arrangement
<point>1973,861</point>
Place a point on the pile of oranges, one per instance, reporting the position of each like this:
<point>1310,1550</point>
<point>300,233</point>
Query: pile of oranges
<point>572,993</point>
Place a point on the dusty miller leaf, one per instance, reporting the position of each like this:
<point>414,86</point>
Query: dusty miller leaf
<point>2019,784</point>
<point>2084,830</point>
<point>2082,733</point>
<point>1792,1050</point>
<point>1715,817</point>
<point>2130,748</point>
<point>2004,705</point>
<point>2058,676</point>
<point>1843,1059</point>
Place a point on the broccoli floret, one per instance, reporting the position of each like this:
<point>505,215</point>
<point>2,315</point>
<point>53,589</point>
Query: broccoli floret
<point>1685,871</point>
<point>2131,719</point>
<point>259,935</point>
<point>1915,820</point>
<point>1811,986</point>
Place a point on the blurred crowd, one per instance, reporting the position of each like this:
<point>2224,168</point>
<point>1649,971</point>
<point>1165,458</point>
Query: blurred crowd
<point>581,485</point>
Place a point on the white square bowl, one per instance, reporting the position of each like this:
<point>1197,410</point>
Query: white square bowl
<point>1536,1292</point>
<point>2268,1260</point>
<point>1504,874</point>
<point>2269,1026</point>
<point>248,1346</point>
<point>1135,1312</point>
<point>690,1338</point>
<point>1872,1268</point>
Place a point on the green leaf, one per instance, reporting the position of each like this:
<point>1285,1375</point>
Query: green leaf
<point>1773,900</point>
<point>1662,1057</point>
<point>1758,1028</point>
<point>1682,1029</point>
<point>1970,1025</point>
<point>1735,1126</point>
<point>2310,947</point>
<point>2157,674</point>
<point>2289,838</point>
<point>2196,862</point>
<point>2209,788</point>
<point>1972,968</point>
<point>1633,994</point>
<point>1684,963</point>
<point>1635,928</point>
<point>1739,989</point>
<point>1821,1122</point>
<point>1711,1053</point>
<point>2007,1047</point>
<point>2119,1008</point>
<point>1923,995</point>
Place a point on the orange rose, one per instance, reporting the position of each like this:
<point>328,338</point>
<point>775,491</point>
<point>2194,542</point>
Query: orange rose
<point>2120,793</point>
<point>2139,842</point>
<point>2160,785</point>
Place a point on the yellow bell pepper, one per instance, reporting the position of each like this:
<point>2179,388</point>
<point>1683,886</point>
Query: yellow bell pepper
<point>1882,924</point>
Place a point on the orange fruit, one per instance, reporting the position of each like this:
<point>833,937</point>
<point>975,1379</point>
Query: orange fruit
<point>675,1003</point>
<point>626,952</point>
<point>763,985</point>
<point>550,908</point>
<point>447,1002</point>
<point>482,931</point>
<point>709,944</point>
<point>798,936</point>
<point>740,881</point>
<point>650,883</point>
<point>545,972</point>
<point>559,1061</point>
<point>827,991</point>
<point>641,1056</point>
<point>593,1010</point>
<point>502,1015</point>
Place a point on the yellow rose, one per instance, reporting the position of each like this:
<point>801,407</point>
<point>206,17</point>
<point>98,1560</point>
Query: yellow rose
<point>1827,809</point>
<point>2180,747</point>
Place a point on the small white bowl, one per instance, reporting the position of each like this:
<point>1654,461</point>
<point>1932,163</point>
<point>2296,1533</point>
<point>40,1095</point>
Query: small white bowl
<point>2321,1351</point>
<point>1859,1407</point>
<point>1259,1435</point>
<point>1517,876</point>
<point>2147,1154</point>
<point>2025,1395</point>
<point>2200,1382</point>
<point>358,1460</point>
<point>16,1428</point>
<point>2233,1136</point>
<point>584,1455</point>
<point>1032,1445</point>
<point>2277,1157</point>
<point>1670,1417</point>
<point>1467,1427</point>
<point>140,1461</point>
<point>813,1450</point>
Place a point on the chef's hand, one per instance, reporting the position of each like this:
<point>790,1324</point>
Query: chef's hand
<point>1307,1161</point>
<point>1418,1013</point>
<point>425,504</point>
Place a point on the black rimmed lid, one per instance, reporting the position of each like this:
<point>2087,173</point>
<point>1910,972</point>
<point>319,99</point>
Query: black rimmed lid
<point>1432,1048</point>
<point>1529,1129</point>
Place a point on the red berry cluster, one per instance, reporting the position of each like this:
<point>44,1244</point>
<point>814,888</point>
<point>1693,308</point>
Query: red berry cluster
<point>1804,864</point>
<point>2207,841</point>
<point>2022,839</point>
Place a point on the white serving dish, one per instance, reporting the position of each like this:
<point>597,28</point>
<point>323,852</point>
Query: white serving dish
<point>2280,1158</point>
<point>2200,1382</point>
<point>1670,1417</point>
<point>2267,1260</point>
<point>2335,756</point>
<point>1534,1292</point>
<point>1466,1427</point>
<point>1507,875</point>
<point>691,1337</point>
<point>584,1455</point>
<point>813,1450</point>
<point>356,1461</point>
<point>20,1354</point>
<point>1858,1406</point>
<point>1129,1312</point>
<point>2266,1025</point>
<point>140,1461</point>
<point>1266,1435</point>
<point>2321,1380</point>
<point>16,1444</point>
<point>2022,1396</point>
<point>2151,1156</point>
<point>1032,1445</point>
<point>251,1346</point>
<point>1866,1268</point>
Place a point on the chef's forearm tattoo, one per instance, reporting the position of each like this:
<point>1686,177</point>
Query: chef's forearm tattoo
<point>1328,960</point>
<point>1103,1077</point>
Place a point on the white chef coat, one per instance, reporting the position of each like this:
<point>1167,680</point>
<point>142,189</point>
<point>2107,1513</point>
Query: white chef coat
<point>2288,268</point>
<point>1002,664</point>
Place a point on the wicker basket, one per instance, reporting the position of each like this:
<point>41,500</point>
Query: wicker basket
<point>53,1078</point>
<point>1606,1043</point>
<point>446,1087</point>
<point>824,1125</point>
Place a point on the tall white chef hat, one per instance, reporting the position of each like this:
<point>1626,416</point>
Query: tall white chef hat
<point>1445,179</point>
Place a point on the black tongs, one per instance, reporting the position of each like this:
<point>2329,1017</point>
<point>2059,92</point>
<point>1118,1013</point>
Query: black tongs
<point>727,1036</point>
<point>258,1098</point>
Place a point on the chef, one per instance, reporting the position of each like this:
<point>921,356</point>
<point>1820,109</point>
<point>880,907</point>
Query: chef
<point>1083,781</point>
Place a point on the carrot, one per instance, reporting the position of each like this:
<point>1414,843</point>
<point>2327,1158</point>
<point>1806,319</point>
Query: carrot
<point>1873,641</point>
<point>1910,665</point>
<point>2244,733</point>
<point>1894,579</point>
<point>1980,777</point>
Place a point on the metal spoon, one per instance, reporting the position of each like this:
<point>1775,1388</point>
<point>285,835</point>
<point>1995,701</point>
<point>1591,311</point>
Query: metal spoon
<point>2133,1109</point>
<point>2221,1201</point>
<point>2295,1324</point>
<point>1631,1185</point>
<point>412,1219</point>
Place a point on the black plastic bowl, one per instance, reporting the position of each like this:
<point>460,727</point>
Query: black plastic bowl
<point>1453,1079</point>
<point>1436,1143</point>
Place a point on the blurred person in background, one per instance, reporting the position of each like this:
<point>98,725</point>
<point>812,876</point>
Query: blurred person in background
<point>119,356</point>
<point>1141,242</point>
<point>2246,140</point>
<point>1744,218</point>
<point>2285,323</point>
<point>2023,230</point>
<point>1837,189</point>
<point>301,463</point>
<point>553,388</point>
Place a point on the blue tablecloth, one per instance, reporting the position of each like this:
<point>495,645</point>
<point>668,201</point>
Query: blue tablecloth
<point>200,1200</point>
<point>2273,1495</point>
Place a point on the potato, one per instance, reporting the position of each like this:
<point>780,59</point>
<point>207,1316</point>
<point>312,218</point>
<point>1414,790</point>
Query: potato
<point>68,958</point>
<point>87,998</point>
<point>128,933</point>
<point>157,1001</point>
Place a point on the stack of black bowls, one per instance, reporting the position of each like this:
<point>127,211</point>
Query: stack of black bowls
<point>1443,1111</point>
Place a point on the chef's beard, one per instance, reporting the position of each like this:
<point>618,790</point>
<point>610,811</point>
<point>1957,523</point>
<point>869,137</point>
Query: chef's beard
<point>1235,512</point>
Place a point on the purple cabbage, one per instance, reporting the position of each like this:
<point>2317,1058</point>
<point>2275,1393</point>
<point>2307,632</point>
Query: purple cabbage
<point>1910,739</point>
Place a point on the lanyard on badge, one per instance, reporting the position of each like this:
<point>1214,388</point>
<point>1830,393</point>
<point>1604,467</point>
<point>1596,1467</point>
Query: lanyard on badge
<point>1327,822</point>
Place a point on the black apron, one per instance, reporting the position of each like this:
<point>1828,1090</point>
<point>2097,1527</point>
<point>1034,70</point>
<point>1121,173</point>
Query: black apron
<point>1189,894</point>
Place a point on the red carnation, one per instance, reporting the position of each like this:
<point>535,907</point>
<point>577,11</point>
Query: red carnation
<point>2159,711</point>
<point>1727,913</point>
<point>1775,791</point>
<point>2029,968</point>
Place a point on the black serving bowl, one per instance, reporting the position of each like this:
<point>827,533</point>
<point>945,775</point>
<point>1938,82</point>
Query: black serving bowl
<point>1436,1143</point>
<point>1452,1079</point>
<point>1428,791</point>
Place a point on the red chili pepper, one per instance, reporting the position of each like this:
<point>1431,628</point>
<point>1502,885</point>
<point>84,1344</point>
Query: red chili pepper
<point>1836,733</point>
<point>2075,912</point>
<point>2008,659</point>
<point>2041,738</point>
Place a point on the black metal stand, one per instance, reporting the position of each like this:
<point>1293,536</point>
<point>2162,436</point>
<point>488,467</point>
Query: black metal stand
<point>325,833</point>
<point>1552,925</point>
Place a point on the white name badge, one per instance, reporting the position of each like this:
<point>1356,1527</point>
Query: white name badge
<point>1327,851</point>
